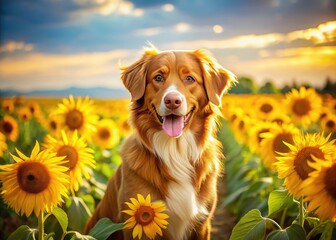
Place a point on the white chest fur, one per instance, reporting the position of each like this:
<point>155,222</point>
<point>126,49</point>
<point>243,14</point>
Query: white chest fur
<point>179,155</point>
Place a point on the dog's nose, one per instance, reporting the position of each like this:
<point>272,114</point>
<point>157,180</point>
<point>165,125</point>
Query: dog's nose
<point>173,100</point>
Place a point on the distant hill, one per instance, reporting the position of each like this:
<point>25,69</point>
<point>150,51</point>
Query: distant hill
<point>95,92</point>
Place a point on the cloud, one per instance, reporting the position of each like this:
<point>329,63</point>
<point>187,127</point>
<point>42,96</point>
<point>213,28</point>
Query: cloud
<point>148,31</point>
<point>180,27</point>
<point>306,65</point>
<point>38,69</point>
<point>323,33</point>
<point>13,46</point>
<point>107,7</point>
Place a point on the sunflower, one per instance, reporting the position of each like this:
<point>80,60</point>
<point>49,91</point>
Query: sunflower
<point>3,144</point>
<point>24,114</point>
<point>328,123</point>
<point>107,134</point>
<point>304,105</point>
<point>8,105</point>
<point>294,166</point>
<point>279,118</point>
<point>9,127</point>
<point>264,107</point>
<point>258,128</point>
<point>77,115</point>
<point>240,123</point>
<point>79,157</point>
<point>124,126</point>
<point>273,142</point>
<point>34,108</point>
<point>146,217</point>
<point>53,125</point>
<point>331,105</point>
<point>36,183</point>
<point>321,197</point>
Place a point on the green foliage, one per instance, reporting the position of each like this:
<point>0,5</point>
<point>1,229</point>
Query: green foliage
<point>23,233</point>
<point>246,85</point>
<point>294,231</point>
<point>61,217</point>
<point>279,200</point>
<point>251,226</point>
<point>104,228</point>
<point>78,213</point>
<point>269,88</point>
<point>248,181</point>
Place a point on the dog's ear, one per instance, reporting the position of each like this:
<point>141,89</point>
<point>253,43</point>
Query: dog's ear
<point>217,80</point>
<point>134,76</point>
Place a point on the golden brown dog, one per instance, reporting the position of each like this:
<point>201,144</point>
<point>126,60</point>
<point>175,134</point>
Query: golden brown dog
<point>174,154</point>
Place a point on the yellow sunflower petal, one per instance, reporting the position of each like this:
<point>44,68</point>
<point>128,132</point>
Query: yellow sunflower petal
<point>35,150</point>
<point>137,231</point>
<point>141,199</point>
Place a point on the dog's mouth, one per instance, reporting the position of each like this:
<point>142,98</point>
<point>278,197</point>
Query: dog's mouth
<point>173,124</point>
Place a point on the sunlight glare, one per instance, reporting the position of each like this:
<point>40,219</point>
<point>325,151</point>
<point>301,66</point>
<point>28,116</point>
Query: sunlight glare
<point>168,7</point>
<point>217,28</point>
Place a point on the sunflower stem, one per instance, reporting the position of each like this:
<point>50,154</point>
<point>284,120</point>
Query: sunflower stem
<point>40,226</point>
<point>301,212</point>
<point>283,217</point>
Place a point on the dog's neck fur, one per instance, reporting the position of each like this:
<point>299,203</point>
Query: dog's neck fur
<point>179,155</point>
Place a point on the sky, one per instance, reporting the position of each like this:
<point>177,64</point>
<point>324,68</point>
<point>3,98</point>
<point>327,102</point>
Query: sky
<point>54,44</point>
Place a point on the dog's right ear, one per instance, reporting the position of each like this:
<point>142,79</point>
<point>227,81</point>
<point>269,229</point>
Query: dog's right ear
<point>134,76</point>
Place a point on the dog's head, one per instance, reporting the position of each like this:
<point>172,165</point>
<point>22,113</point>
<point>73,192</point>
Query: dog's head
<point>175,87</point>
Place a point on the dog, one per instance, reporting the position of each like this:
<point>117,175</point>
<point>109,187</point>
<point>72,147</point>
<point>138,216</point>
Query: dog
<point>174,154</point>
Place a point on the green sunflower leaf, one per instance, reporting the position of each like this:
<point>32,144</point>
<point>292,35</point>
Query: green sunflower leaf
<point>61,217</point>
<point>295,231</point>
<point>327,233</point>
<point>250,226</point>
<point>278,200</point>
<point>23,233</point>
<point>78,213</point>
<point>104,228</point>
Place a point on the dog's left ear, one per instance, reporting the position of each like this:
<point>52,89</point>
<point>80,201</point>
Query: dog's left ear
<point>217,80</point>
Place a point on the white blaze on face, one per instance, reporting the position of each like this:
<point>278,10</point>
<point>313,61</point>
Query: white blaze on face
<point>173,119</point>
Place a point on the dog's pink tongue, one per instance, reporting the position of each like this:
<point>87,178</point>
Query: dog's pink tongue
<point>173,125</point>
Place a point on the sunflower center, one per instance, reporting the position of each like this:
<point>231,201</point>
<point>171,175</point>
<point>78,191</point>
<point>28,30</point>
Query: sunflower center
<point>144,215</point>
<point>266,108</point>
<point>278,143</point>
<point>53,125</point>
<point>330,180</point>
<point>279,121</point>
<point>32,109</point>
<point>301,107</point>
<point>330,124</point>
<point>233,117</point>
<point>104,133</point>
<point>71,155</point>
<point>241,125</point>
<point>303,157</point>
<point>33,177</point>
<point>7,127</point>
<point>74,119</point>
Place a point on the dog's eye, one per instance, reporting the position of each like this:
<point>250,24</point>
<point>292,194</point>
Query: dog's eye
<point>189,79</point>
<point>158,78</point>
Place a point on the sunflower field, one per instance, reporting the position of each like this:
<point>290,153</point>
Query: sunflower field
<point>56,156</point>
